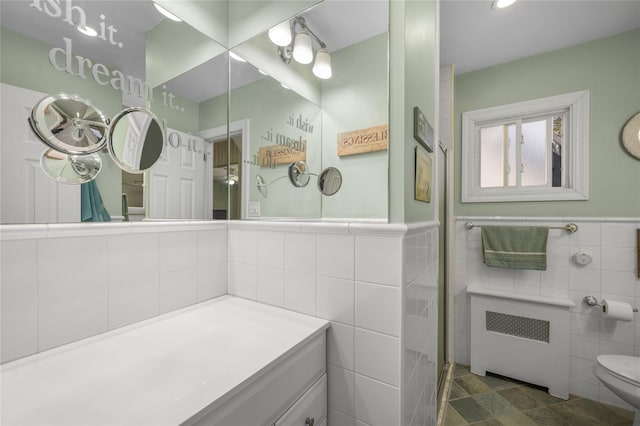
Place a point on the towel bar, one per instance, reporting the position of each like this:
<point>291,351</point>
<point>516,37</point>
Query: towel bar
<point>569,227</point>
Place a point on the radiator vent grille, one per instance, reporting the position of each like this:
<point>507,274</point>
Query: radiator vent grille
<point>513,325</point>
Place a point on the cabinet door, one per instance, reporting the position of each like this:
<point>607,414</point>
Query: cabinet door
<point>310,409</point>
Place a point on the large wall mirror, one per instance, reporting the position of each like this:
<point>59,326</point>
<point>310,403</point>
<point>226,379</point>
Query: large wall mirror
<point>303,109</point>
<point>225,123</point>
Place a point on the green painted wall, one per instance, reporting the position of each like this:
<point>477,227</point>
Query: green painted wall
<point>413,69</point>
<point>610,69</point>
<point>25,63</point>
<point>186,121</point>
<point>352,100</point>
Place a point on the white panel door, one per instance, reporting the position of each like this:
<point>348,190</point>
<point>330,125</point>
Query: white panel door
<point>176,181</point>
<point>28,195</point>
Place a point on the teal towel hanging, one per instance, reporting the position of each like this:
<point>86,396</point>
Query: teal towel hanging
<point>91,207</point>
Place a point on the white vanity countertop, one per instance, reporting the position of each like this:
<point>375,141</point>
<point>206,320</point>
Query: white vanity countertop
<point>157,372</point>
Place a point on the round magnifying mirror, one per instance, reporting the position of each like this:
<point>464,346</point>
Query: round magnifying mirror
<point>69,124</point>
<point>298,174</point>
<point>70,169</point>
<point>136,139</point>
<point>330,181</point>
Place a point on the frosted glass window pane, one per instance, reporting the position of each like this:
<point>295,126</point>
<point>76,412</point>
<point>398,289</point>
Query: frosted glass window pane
<point>511,165</point>
<point>491,156</point>
<point>534,153</point>
<point>556,147</point>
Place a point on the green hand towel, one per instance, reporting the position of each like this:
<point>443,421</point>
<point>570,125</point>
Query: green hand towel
<point>515,247</point>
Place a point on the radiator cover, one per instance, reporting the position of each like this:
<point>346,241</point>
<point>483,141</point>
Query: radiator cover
<point>512,325</point>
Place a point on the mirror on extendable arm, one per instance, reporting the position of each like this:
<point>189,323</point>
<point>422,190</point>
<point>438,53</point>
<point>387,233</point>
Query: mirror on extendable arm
<point>69,124</point>
<point>298,174</point>
<point>330,181</point>
<point>136,139</point>
<point>70,169</point>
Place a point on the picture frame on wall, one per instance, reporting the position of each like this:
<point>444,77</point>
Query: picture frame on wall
<point>423,167</point>
<point>422,130</point>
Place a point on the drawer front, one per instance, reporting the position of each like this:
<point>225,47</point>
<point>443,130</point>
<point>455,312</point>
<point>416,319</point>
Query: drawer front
<point>310,409</point>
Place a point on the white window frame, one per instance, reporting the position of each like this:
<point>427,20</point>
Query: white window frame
<point>576,164</point>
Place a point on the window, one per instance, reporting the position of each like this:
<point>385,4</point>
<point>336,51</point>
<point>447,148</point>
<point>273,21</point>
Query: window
<point>528,151</point>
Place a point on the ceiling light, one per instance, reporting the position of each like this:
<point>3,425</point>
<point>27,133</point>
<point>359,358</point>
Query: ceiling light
<point>302,48</point>
<point>261,72</point>
<point>501,4</point>
<point>280,35</point>
<point>322,66</point>
<point>283,85</point>
<point>236,57</point>
<point>166,13</point>
<point>87,31</point>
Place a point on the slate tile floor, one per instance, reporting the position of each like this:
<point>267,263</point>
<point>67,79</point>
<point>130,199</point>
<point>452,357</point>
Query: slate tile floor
<point>497,401</point>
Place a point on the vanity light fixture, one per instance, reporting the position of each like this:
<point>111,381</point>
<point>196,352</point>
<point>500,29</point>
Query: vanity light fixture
<point>166,13</point>
<point>501,4</point>
<point>303,48</point>
<point>280,35</point>
<point>300,46</point>
<point>322,66</point>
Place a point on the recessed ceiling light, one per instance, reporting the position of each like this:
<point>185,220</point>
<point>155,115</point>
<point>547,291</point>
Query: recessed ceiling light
<point>501,4</point>
<point>236,57</point>
<point>166,13</point>
<point>87,31</point>
<point>261,72</point>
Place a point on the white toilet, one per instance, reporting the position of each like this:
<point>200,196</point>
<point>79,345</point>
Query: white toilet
<point>621,374</point>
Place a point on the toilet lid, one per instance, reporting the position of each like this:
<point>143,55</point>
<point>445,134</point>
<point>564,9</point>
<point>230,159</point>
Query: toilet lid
<point>625,367</point>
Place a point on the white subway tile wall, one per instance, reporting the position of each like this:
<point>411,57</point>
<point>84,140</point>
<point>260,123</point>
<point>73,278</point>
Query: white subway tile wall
<point>356,280</point>
<point>419,329</point>
<point>62,285</point>
<point>375,283</point>
<point>612,274</point>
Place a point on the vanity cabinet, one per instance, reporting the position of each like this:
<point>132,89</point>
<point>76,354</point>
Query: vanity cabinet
<point>310,409</point>
<point>225,362</point>
<point>287,394</point>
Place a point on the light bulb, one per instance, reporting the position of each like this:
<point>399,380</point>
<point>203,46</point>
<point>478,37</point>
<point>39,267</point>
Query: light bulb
<point>280,35</point>
<point>501,4</point>
<point>166,13</point>
<point>322,66</point>
<point>302,48</point>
